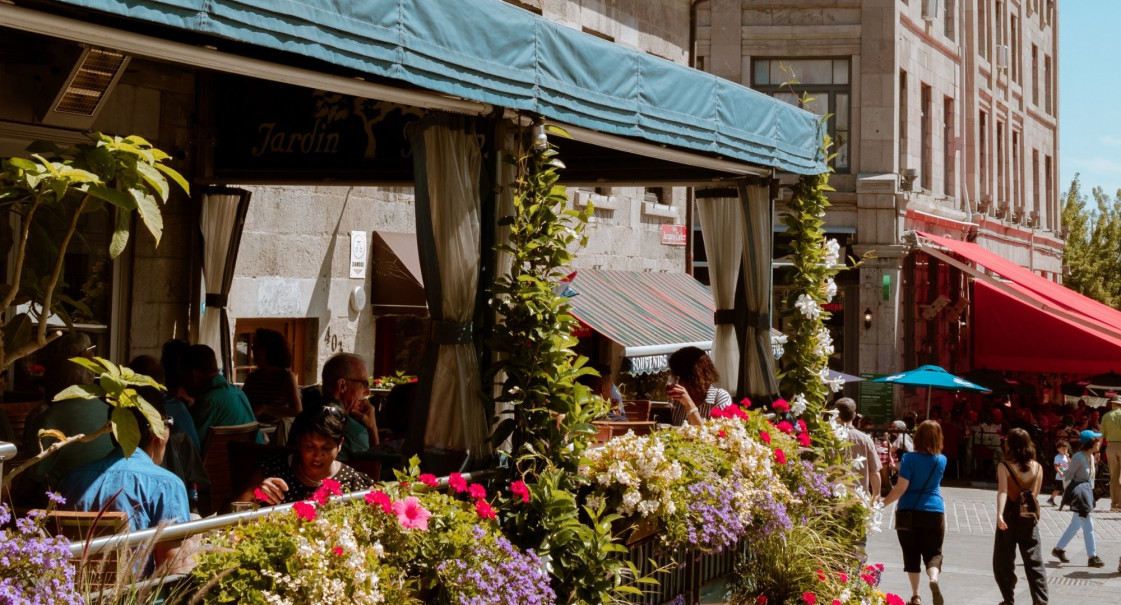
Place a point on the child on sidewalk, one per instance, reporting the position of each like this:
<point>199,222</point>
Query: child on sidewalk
<point>1062,462</point>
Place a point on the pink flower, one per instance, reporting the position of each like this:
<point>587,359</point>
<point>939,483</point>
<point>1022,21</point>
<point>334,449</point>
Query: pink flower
<point>429,479</point>
<point>868,578</point>
<point>260,495</point>
<point>809,598</point>
<point>785,427</point>
<point>879,566</point>
<point>457,482</point>
<point>821,575</point>
<point>837,602</point>
<point>804,439</point>
<point>721,433</point>
<point>745,403</point>
<point>411,514</point>
<point>320,496</point>
<point>893,599</point>
<point>718,413</point>
<point>333,487</point>
<point>519,488</point>
<point>380,498</point>
<point>477,491</point>
<point>843,576</point>
<point>780,456</point>
<point>780,405</point>
<point>305,510</point>
<point>765,437</point>
<point>338,551</point>
<point>801,425</point>
<point>484,510</point>
<point>761,600</point>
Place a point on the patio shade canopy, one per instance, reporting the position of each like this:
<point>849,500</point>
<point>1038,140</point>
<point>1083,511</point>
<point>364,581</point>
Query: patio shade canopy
<point>1030,323</point>
<point>398,286</point>
<point>492,52</point>
<point>650,314</point>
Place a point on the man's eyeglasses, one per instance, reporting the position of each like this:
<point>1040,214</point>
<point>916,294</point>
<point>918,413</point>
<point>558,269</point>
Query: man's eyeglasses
<point>362,381</point>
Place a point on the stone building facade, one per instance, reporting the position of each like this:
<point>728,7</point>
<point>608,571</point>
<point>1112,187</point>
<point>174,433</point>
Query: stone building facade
<point>944,119</point>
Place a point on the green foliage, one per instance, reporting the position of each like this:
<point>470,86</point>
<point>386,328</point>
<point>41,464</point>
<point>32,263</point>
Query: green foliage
<point>117,387</point>
<point>56,186</point>
<point>1093,245</point>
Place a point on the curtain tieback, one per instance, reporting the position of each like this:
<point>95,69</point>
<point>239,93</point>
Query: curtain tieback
<point>759,321</point>
<point>724,317</point>
<point>445,332</point>
<point>217,300</point>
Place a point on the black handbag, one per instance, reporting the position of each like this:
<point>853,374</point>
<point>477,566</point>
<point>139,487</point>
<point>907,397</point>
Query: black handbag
<point>905,517</point>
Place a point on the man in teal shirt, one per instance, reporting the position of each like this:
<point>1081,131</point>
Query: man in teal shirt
<point>347,386</point>
<point>217,402</point>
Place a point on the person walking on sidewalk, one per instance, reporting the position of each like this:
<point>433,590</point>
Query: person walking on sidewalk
<point>1079,496</point>
<point>1019,480</point>
<point>920,518</point>
<point>1111,432</point>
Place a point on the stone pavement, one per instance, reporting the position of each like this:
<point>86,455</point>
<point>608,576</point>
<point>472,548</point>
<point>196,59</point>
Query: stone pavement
<point>967,576</point>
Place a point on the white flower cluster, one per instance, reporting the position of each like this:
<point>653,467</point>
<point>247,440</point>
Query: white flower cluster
<point>834,384</point>
<point>823,343</point>
<point>750,458</point>
<point>830,289</point>
<point>832,253</point>
<point>778,339</point>
<point>798,405</point>
<point>331,569</point>
<point>808,306</point>
<point>639,467</point>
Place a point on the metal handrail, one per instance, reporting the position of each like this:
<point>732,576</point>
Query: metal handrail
<point>187,529</point>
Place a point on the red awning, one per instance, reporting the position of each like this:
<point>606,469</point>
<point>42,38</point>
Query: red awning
<point>1010,334</point>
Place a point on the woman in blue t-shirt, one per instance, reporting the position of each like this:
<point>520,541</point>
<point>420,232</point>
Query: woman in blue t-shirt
<point>920,516</point>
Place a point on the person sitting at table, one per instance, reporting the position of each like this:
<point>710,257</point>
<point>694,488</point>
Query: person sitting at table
<point>291,477</point>
<point>692,387</point>
<point>272,388</point>
<point>602,386</point>
<point>217,402</point>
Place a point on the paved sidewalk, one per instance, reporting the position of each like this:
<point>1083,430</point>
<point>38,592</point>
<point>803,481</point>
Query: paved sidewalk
<point>967,576</point>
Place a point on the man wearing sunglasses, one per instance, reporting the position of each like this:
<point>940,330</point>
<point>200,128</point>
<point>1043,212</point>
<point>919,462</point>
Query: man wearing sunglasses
<point>346,385</point>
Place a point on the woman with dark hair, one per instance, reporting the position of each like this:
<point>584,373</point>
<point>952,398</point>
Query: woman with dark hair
<point>920,520</point>
<point>272,388</point>
<point>1079,496</point>
<point>318,435</point>
<point>692,386</point>
<point>1012,530</point>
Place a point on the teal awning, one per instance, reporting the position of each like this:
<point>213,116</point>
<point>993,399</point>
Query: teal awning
<point>493,52</point>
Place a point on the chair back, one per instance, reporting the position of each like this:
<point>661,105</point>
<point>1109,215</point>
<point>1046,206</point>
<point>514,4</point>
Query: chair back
<point>637,409</point>
<point>17,414</point>
<point>216,461</point>
<point>100,571</point>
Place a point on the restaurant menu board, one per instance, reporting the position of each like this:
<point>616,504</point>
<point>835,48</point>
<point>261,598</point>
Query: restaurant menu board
<point>876,399</point>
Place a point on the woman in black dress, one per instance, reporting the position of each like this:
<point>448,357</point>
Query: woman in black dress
<point>292,477</point>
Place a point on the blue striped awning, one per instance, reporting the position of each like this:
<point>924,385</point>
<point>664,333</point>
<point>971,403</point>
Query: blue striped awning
<point>649,314</point>
<point>492,52</point>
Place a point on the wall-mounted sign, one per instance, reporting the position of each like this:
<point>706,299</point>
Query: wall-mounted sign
<point>674,235</point>
<point>876,399</point>
<point>358,254</point>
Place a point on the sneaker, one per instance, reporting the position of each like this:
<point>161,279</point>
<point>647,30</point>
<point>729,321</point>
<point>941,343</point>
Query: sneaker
<point>1051,501</point>
<point>1095,562</point>
<point>1060,554</point>
<point>936,593</point>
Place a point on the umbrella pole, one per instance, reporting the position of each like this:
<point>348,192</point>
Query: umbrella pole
<point>928,390</point>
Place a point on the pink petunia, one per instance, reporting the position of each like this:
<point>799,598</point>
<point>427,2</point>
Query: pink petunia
<point>260,495</point>
<point>380,498</point>
<point>429,479</point>
<point>333,487</point>
<point>305,510</point>
<point>484,510</point>
<point>745,403</point>
<point>780,456</point>
<point>802,425</point>
<point>837,602</point>
<point>320,496</point>
<point>411,514</point>
<point>718,413</point>
<point>893,599</point>
<point>477,491</point>
<point>780,405</point>
<point>338,551</point>
<point>843,576</point>
<point>520,489</point>
<point>785,427</point>
<point>457,482</point>
<point>868,578</point>
<point>804,439</point>
<point>809,598</point>
<point>739,412</point>
<point>765,437</point>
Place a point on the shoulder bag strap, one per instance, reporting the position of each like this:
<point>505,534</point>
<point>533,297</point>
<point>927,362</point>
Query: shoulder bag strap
<point>927,482</point>
<point>1013,475</point>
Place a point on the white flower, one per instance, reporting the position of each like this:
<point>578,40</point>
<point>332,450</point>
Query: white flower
<point>808,306</point>
<point>832,253</point>
<point>798,405</point>
<point>830,289</point>
<point>840,491</point>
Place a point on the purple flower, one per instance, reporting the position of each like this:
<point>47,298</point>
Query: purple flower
<point>56,498</point>
<point>484,575</point>
<point>34,569</point>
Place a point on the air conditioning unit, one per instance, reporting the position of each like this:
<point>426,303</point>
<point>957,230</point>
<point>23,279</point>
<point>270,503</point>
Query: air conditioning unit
<point>89,84</point>
<point>1002,56</point>
<point>931,9</point>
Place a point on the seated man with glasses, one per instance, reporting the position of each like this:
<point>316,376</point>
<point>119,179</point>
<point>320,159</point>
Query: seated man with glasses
<point>137,485</point>
<point>346,385</point>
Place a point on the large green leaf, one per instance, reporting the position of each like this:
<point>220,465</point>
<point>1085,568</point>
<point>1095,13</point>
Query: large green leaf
<point>149,212</point>
<point>155,420</point>
<point>120,234</point>
<point>114,386</point>
<point>125,430</point>
<point>174,175</point>
<point>154,179</point>
<point>81,391</point>
<point>89,364</point>
<point>121,199</point>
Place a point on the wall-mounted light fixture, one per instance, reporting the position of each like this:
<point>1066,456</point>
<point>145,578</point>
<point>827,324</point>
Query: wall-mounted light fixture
<point>867,317</point>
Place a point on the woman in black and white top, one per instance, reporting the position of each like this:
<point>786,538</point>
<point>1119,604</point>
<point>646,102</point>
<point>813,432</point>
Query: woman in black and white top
<point>692,387</point>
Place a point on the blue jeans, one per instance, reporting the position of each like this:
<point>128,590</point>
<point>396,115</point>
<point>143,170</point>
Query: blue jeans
<point>1086,524</point>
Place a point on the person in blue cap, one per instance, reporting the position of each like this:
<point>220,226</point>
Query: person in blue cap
<point>1079,496</point>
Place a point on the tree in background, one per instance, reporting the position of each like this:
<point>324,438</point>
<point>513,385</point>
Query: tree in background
<point>1093,244</point>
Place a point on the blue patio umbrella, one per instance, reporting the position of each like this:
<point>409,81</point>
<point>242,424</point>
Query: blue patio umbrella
<point>932,377</point>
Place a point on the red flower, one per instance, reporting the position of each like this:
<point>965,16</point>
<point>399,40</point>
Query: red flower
<point>843,576</point>
<point>380,498</point>
<point>721,433</point>
<point>801,425</point>
<point>761,600</point>
<point>785,427</point>
<point>429,479</point>
<point>868,578</point>
<point>457,482</point>
<point>260,495</point>
<point>519,488</point>
<point>821,575</point>
<point>483,509</point>
<point>718,413</point>
<point>809,597</point>
<point>837,602</point>
<point>780,456</point>
<point>414,379</point>
<point>765,437</point>
<point>477,491</point>
<point>894,599</point>
<point>745,403</point>
<point>804,439</point>
<point>338,551</point>
<point>879,566</point>
<point>320,496</point>
<point>305,510</point>
<point>780,405</point>
<point>333,487</point>
<point>739,412</point>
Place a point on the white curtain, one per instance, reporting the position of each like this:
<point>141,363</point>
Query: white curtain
<point>453,160</point>
<point>722,223</point>
<point>221,221</point>
<point>758,357</point>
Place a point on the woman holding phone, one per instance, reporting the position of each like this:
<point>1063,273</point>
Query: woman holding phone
<point>692,386</point>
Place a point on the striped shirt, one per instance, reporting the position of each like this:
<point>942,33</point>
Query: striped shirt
<point>716,397</point>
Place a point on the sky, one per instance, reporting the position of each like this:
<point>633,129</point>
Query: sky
<point>1089,86</point>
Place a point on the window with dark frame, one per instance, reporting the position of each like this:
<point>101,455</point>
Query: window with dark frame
<point>294,331</point>
<point>822,86</point>
<point>926,145</point>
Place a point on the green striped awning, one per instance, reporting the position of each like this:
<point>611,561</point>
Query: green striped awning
<point>650,314</point>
